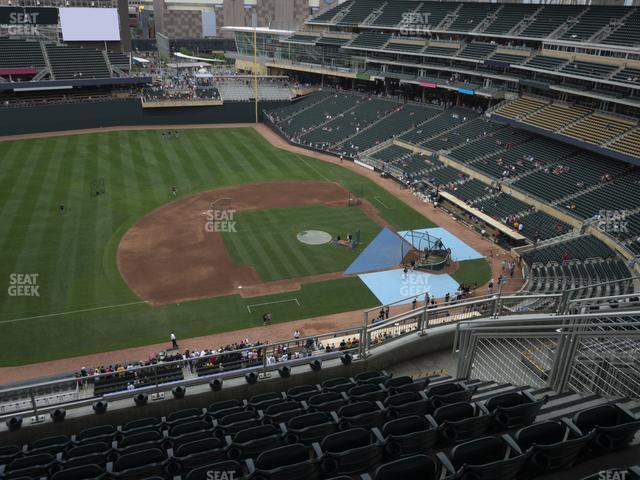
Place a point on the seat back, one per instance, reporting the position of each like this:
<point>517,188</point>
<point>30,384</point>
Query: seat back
<point>461,421</point>
<point>344,441</point>
<point>509,399</point>
<point>87,448</point>
<point>224,405</point>
<point>326,401</point>
<point>302,392</point>
<point>478,452</point>
<point>282,456</point>
<point>409,436</point>
<point>137,438</point>
<point>417,466</point>
<point>96,432</point>
<point>197,446</point>
<point>310,427</point>
<point>366,392</point>
<point>256,433</point>
<point>349,452</point>
<point>191,413</point>
<point>139,459</point>
<point>142,423</point>
<point>364,376</point>
<point>189,427</point>
<point>613,428</point>
<point>78,473</point>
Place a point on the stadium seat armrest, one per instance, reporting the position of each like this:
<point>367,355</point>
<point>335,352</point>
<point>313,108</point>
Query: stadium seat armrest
<point>304,404</point>
<point>378,434</point>
<point>511,443</point>
<point>251,467</point>
<point>446,463</point>
<point>482,408</point>
<point>334,416</point>
<point>317,449</point>
<point>344,396</point>
<point>432,421</point>
<point>228,440</point>
<point>365,476</point>
<point>530,397</point>
<point>423,395</point>
<point>626,411</point>
<point>170,453</point>
<point>109,467</point>
<point>571,425</point>
<point>283,428</point>
<point>379,405</point>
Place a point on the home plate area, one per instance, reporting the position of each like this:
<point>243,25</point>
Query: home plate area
<point>380,268</point>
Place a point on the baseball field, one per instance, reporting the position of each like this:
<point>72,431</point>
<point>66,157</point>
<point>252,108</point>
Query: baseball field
<point>75,282</point>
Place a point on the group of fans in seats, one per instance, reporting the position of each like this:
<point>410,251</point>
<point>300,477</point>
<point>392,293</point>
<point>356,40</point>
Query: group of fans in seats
<point>85,373</point>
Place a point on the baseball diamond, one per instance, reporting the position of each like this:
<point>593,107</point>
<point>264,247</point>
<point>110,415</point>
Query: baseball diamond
<point>319,240</point>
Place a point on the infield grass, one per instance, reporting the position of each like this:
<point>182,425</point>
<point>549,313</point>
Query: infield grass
<point>74,255</point>
<point>267,240</point>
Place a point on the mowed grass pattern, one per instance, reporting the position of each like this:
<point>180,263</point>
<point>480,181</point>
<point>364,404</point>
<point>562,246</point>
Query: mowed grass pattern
<point>267,240</point>
<point>75,254</point>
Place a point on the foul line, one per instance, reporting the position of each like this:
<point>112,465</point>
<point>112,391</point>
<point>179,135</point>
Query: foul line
<point>382,203</point>
<point>271,303</point>
<point>72,312</point>
<point>312,167</point>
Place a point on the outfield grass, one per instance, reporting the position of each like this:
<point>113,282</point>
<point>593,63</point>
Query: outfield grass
<point>74,254</point>
<point>266,240</point>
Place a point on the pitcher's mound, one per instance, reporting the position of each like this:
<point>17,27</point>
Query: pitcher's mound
<point>314,237</point>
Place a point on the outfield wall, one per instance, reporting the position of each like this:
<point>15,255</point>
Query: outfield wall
<point>116,113</point>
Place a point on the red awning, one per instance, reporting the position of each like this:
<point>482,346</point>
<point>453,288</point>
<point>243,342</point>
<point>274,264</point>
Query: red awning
<point>18,71</point>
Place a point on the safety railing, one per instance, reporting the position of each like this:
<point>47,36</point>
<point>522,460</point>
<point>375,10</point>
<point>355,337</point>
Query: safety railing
<point>262,359</point>
<point>597,353</point>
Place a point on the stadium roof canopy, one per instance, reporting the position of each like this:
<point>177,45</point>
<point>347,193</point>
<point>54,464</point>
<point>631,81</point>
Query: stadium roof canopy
<point>273,31</point>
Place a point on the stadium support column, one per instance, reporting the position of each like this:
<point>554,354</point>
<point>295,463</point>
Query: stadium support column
<point>123,19</point>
